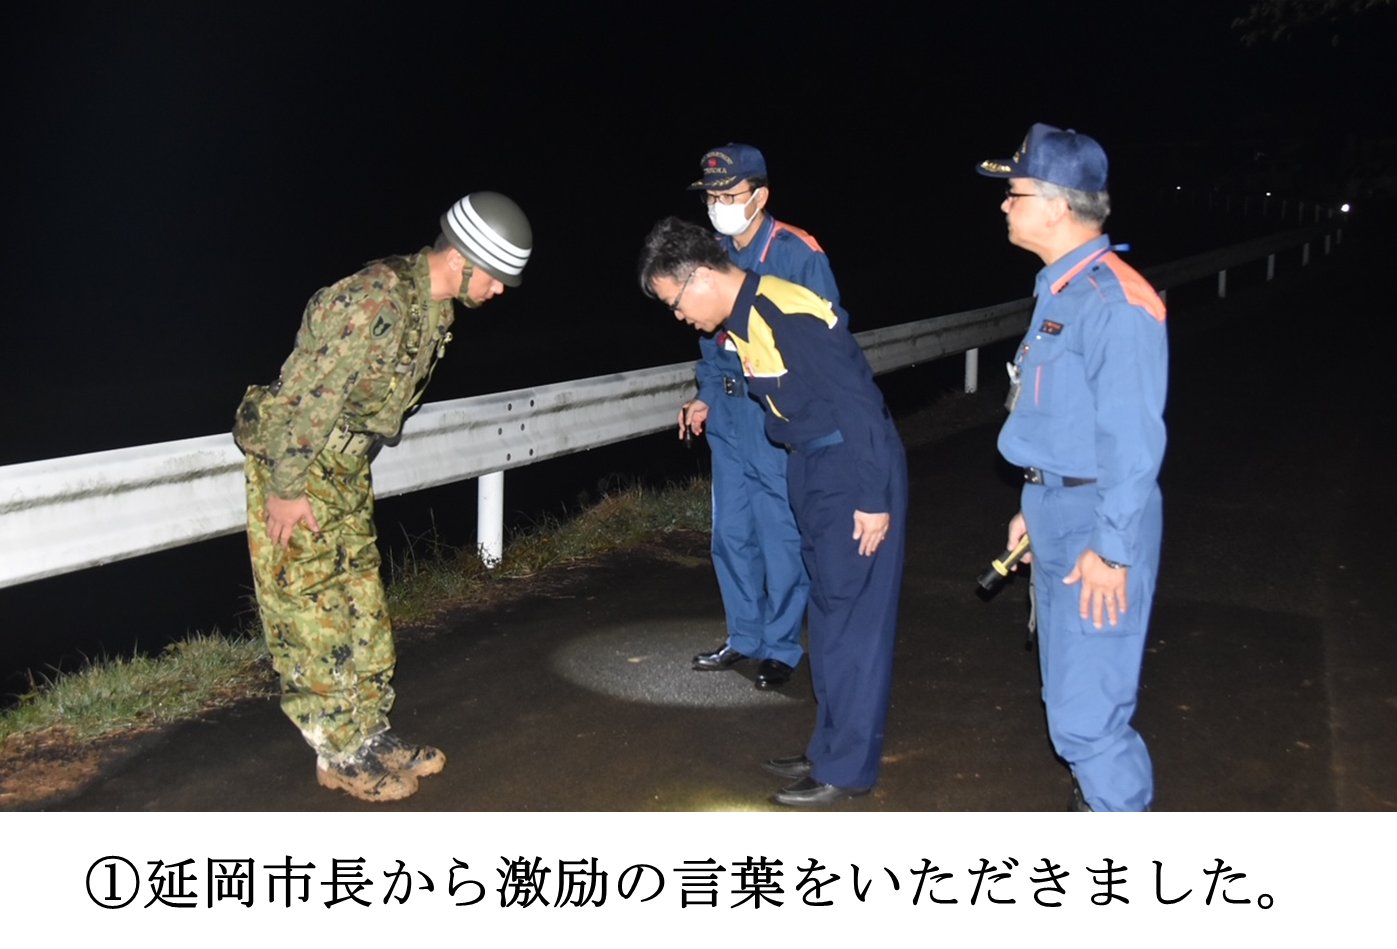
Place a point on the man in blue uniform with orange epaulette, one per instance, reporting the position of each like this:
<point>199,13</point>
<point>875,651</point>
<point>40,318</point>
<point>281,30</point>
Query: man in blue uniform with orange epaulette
<point>756,546</point>
<point>1086,426</point>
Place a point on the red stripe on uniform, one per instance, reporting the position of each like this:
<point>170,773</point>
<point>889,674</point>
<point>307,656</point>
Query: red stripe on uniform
<point>1138,291</point>
<point>1068,277</point>
<point>804,235</point>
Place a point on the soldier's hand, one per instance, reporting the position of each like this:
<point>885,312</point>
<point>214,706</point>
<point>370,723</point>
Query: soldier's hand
<point>282,516</point>
<point>1103,588</point>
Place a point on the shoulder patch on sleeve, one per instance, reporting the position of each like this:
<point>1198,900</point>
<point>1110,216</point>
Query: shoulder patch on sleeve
<point>364,304</point>
<point>1136,288</point>
<point>800,234</point>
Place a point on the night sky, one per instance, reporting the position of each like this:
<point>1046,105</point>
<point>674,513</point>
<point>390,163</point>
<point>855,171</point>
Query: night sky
<point>180,180</point>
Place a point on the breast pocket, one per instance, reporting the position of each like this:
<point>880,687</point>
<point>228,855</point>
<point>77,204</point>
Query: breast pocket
<point>1056,379</point>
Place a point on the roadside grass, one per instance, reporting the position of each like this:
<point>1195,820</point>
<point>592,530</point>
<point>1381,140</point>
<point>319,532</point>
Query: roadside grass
<point>206,671</point>
<point>197,674</point>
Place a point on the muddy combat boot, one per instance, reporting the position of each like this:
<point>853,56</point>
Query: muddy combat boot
<point>364,776</point>
<point>397,755</point>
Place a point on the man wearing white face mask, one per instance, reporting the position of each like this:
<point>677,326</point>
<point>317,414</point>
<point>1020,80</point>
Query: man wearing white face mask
<point>756,546</point>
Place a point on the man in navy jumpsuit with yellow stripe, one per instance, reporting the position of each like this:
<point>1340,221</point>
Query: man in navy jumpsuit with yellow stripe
<point>847,480</point>
<point>1086,425</point>
<point>756,544</point>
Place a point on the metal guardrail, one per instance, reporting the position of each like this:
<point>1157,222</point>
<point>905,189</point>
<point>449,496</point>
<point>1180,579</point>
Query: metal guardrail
<point>66,514</point>
<point>70,513</point>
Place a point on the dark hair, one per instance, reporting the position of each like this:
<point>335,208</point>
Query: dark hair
<point>674,248</point>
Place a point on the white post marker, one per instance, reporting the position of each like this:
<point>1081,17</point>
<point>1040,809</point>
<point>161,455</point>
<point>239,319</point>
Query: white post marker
<point>489,518</point>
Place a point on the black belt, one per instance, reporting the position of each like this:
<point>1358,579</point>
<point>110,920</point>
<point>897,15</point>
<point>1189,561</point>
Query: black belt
<point>1038,476</point>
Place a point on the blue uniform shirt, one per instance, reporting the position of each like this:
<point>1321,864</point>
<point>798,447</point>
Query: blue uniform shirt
<point>1093,371</point>
<point>778,248</point>
<point>788,252</point>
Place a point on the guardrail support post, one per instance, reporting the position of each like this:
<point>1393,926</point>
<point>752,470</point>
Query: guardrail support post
<point>1338,235</point>
<point>1326,245</point>
<point>1305,254</point>
<point>1270,266</point>
<point>1222,284</point>
<point>972,370</point>
<point>489,517</point>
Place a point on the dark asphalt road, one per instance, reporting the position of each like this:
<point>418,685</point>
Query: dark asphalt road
<point>1268,685</point>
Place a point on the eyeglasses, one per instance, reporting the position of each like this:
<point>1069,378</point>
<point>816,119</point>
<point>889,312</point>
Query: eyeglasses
<point>679,299</point>
<point>724,197</point>
<point>1010,194</point>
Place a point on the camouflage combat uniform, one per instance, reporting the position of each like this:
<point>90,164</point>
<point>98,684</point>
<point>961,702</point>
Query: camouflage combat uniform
<point>365,350</point>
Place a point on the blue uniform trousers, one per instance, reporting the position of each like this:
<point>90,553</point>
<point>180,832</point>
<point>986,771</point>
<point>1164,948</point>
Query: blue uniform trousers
<point>756,546</point>
<point>853,610</point>
<point>1091,677</point>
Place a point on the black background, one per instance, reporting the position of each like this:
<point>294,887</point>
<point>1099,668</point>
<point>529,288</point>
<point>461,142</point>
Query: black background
<point>179,180</point>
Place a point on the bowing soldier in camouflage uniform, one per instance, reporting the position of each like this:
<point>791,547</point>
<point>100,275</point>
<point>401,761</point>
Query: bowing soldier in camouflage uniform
<point>364,353</point>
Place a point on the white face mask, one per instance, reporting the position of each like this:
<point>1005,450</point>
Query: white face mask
<point>731,219</point>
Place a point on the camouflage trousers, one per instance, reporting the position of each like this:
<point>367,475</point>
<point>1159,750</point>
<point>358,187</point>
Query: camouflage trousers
<point>323,607</point>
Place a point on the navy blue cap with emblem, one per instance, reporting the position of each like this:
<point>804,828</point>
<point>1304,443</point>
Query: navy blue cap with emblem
<point>1062,157</point>
<point>725,166</point>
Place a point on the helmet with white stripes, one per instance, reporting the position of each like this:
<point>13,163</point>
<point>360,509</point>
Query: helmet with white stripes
<point>492,233</point>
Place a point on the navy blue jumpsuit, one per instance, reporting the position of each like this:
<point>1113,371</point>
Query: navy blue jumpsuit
<point>1092,378</point>
<point>756,545</point>
<point>821,402</point>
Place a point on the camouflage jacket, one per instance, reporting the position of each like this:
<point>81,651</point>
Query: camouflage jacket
<point>366,347</point>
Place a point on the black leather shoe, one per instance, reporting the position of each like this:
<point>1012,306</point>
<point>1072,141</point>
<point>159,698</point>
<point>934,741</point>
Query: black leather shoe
<point>807,792</point>
<point>773,673</point>
<point>794,766</point>
<point>723,658</point>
